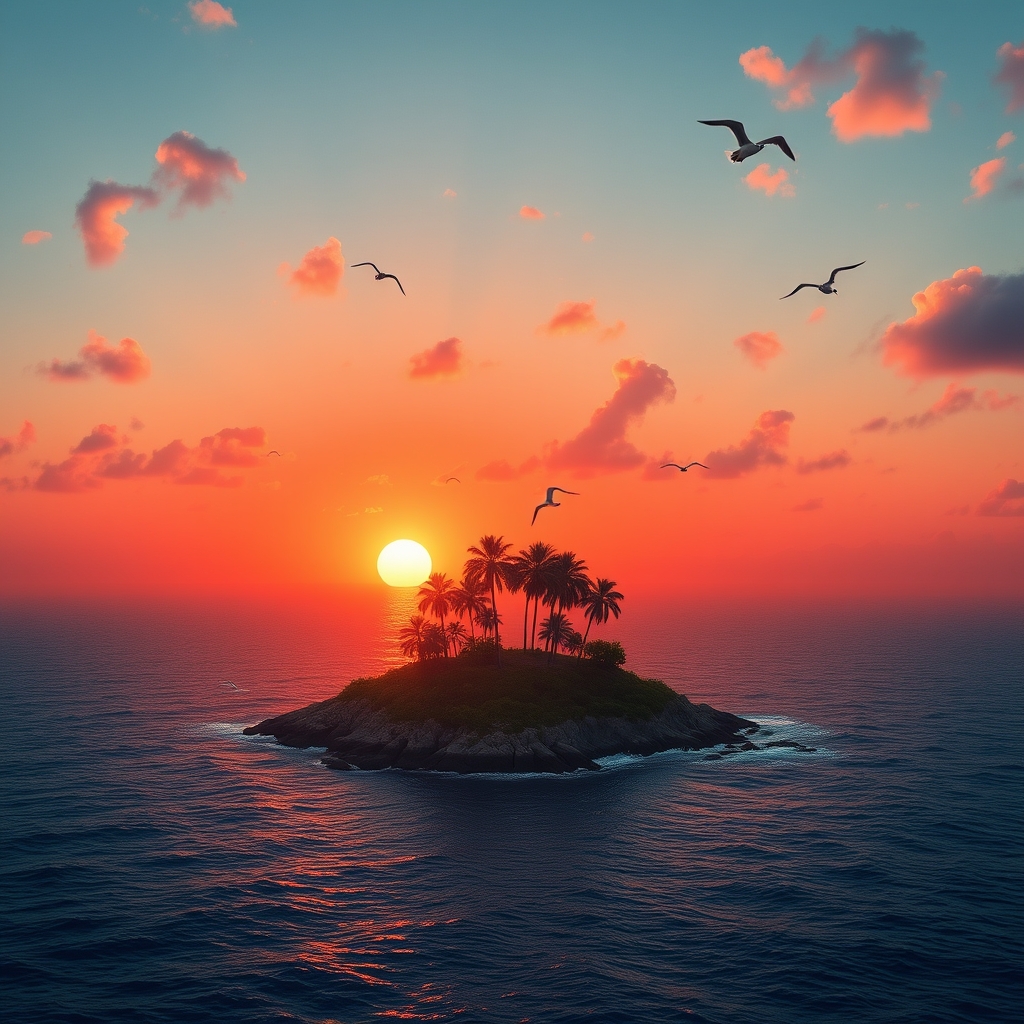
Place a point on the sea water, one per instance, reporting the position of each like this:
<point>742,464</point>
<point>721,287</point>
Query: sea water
<point>158,866</point>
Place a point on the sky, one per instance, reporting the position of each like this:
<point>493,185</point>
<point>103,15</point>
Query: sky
<point>592,289</point>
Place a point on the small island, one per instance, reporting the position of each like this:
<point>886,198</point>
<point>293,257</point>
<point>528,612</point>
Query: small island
<point>469,704</point>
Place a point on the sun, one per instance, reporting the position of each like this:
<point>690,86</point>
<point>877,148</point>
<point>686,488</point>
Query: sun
<point>404,563</point>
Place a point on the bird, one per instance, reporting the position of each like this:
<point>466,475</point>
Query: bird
<point>451,478</point>
<point>748,148</point>
<point>826,288</point>
<point>381,275</point>
<point>550,500</point>
<point>277,453</point>
<point>683,469</point>
<point>237,689</point>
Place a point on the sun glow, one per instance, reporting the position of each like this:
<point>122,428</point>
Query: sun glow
<point>404,563</point>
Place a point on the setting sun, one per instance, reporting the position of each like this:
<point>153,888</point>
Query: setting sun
<point>404,563</point>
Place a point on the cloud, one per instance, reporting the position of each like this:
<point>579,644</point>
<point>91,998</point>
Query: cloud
<point>381,479</point>
<point>320,271</point>
<point>449,193</point>
<point>1002,142</point>
<point>445,359</point>
<point>530,213</point>
<point>873,426</point>
<point>588,236</point>
<point>601,446</point>
<point>816,314</point>
<point>211,14</point>
<point>963,324</point>
<point>985,176</point>
<point>501,470</point>
<point>833,460</point>
<point>759,448</point>
<point>68,477</point>
<point>953,400</point>
<point>892,94</point>
<point>579,318</point>
<point>124,363</point>
<point>96,213</point>
<point>760,348</point>
<point>35,237</point>
<point>100,439</point>
<point>1011,74</point>
<point>810,505</point>
<point>761,178</point>
<point>199,173</point>
<point>229,447</point>
<point>1006,500</point>
<point>20,441</point>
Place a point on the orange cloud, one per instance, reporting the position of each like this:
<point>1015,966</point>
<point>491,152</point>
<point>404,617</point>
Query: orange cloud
<point>578,318</point>
<point>530,213</point>
<point>101,438</point>
<point>449,193</point>
<point>320,271</point>
<point>501,470</point>
<point>1006,500</point>
<point>211,14</point>
<point>18,443</point>
<point>761,177</point>
<point>967,323</point>
<point>759,448</point>
<point>124,363</point>
<point>441,360</point>
<point>588,236</point>
<point>816,314</point>
<point>1011,74</point>
<point>229,447</point>
<point>833,460</point>
<point>874,425</point>
<point>35,237</point>
<point>199,172</point>
<point>953,400</point>
<point>892,94</point>
<point>601,446</point>
<point>1005,140</point>
<point>95,217</point>
<point>760,348</point>
<point>985,176</point>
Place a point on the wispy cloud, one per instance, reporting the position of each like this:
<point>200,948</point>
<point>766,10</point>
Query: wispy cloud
<point>501,470</point>
<point>760,348</point>
<point>761,447</point>
<point>985,176</point>
<point>1006,139</point>
<point>35,237</point>
<point>580,318</point>
<point>19,442</point>
<point>833,460</point>
<point>530,213</point>
<point>124,363</point>
<point>1005,500</point>
<point>954,400</point>
<point>1011,74</point>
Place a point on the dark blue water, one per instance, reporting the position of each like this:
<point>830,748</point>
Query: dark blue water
<point>157,866</point>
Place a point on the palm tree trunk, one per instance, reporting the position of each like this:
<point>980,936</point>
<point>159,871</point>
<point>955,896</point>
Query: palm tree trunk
<point>444,636</point>
<point>497,638</point>
<point>590,622</point>
<point>533,631</point>
<point>526,615</point>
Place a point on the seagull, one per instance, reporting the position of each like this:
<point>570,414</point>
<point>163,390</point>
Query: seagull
<point>550,500</point>
<point>381,275</point>
<point>451,478</point>
<point>237,689</point>
<point>277,453</point>
<point>826,288</point>
<point>748,148</point>
<point>683,469</point>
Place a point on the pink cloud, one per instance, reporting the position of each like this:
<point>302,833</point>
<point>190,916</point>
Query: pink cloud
<point>892,94</point>
<point>816,314</point>
<point>320,271</point>
<point>124,363</point>
<point>762,179</point>
<point>229,447</point>
<point>588,236</point>
<point>449,193</point>
<point>199,172</point>
<point>759,448</point>
<point>953,400</point>
<point>208,476</point>
<point>18,443</point>
<point>100,439</point>
<point>68,477</point>
<point>875,425</point>
<point>35,237</point>
<point>530,213</point>
<point>967,323</point>
<point>95,218</point>
<point>445,359</point>
<point>1005,140</point>
<point>601,446</point>
<point>1006,500</point>
<point>1011,74</point>
<point>760,348</point>
<point>579,318</point>
<point>501,470</point>
<point>833,460</point>
<point>211,14</point>
<point>985,176</point>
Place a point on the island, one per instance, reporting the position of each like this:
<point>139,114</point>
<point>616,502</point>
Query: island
<point>535,712</point>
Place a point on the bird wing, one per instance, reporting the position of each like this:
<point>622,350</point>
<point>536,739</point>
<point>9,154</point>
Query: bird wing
<point>736,127</point>
<point>543,504</point>
<point>797,288</point>
<point>778,140</point>
<point>451,478</point>
<point>274,452</point>
<point>853,266</point>
<point>552,490</point>
<point>395,279</point>
<point>701,464</point>
<point>673,464</point>
<point>374,265</point>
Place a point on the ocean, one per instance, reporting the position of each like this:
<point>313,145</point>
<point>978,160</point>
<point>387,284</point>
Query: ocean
<point>156,865</point>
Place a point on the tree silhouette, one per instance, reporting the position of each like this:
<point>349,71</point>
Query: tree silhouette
<point>600,601</point>
<point>491,565</point>
<point>533,566</point>
<point>436,597</point>
<point>469,599</point>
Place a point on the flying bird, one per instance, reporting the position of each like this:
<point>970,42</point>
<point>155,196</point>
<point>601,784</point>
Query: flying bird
<point>550,500</point>
<point>451,478</point>
<point>683,469</point>
<point>277,453</point>
<point>381,275</point>
<point>237,689</point>
<point>748,148</point>
<point>826,288</point>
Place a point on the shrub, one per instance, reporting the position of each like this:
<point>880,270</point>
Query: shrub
<point>478,652</point>
<point>605,652</point>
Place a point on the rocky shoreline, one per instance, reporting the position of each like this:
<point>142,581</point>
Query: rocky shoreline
<point>359,735</point>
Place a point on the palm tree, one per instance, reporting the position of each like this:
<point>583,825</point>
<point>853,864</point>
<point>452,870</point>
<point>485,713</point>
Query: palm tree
<point>601,601</point>
<point>436,597</point>
<point>491,565</point>
<point>532,566</point>
<point>456,635</point>
<point>567,581</point>
<point>574,642</point>
<point>435,644</point>
<point>469,599</point>
<point>413,637</point>
<point>487,620</point>
<point>555,629</point>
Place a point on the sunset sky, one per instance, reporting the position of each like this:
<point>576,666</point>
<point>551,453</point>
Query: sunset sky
<point>592,289</point>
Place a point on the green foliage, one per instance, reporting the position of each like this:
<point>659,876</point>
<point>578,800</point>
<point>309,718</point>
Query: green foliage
<point>605,652</point>
<point>472,692</point>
